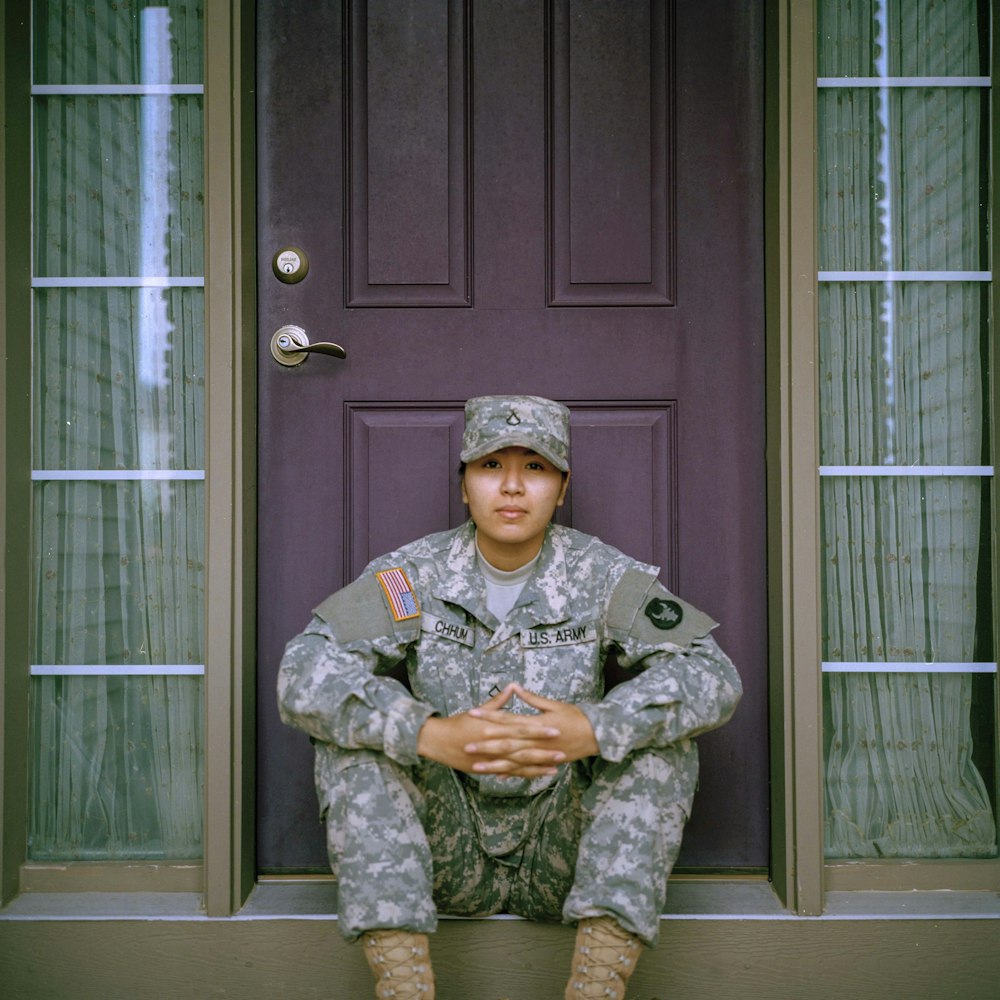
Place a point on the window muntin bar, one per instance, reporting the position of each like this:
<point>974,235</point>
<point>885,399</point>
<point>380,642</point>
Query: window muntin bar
<point>118,475</point>
<point>906,470</point>
<point>902,81</point>
<point>884,277</point>
<point>116,89</point>
<point>869,667</point>
<point>118,281</point>
<point>117,670</point>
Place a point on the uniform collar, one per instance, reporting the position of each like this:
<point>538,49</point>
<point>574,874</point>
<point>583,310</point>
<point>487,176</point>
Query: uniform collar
<point>542,602</point>
<point>459,579</point>
<point>544,599</point>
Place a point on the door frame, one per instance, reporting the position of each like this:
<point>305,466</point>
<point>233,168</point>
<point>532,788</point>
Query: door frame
<point>791,444</point>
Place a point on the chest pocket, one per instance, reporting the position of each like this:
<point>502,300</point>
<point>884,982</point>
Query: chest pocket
<point>564,661</point>
<point>443,662</point>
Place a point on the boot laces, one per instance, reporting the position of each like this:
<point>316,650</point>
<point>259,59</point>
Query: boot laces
<point>605,960</point>
<point>401,964</point>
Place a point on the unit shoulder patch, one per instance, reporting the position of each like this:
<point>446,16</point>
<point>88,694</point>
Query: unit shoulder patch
<point>641,607</point>
<point>664,614</point>
<point>399,592</point>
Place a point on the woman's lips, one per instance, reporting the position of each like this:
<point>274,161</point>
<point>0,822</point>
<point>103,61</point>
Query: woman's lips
<point>511,513</point>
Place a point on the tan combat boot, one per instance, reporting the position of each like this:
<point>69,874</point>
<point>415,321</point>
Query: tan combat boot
<point>604,956</point>
<point>401,962</point>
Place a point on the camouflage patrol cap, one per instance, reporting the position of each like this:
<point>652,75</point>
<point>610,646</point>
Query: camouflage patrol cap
<point>494,422</point>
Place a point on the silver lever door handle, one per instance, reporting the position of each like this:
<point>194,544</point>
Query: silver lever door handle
<point>290,347</point>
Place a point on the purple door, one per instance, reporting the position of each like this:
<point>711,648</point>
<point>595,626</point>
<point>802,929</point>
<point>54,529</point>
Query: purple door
<point>560,198</point>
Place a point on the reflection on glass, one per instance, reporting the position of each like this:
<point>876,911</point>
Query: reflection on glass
<point>901,180</point>
<point>154,327</point>
<point>908,37</point>
<point>99,400</point>
<point>902,376</point>
<point>101,42</point>
<point>102,209</point>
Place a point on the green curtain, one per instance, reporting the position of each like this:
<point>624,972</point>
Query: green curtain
<point>902,382</point>
<point>117,761</point>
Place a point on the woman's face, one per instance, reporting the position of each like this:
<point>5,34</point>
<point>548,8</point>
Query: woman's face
<point>512,494</point>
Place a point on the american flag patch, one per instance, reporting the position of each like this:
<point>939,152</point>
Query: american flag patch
<point>399,591</point>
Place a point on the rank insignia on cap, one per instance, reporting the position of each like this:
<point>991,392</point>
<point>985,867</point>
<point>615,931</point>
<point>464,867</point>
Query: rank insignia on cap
<point>664,614</point>
<point>513,419</point>
<point>399,591</point>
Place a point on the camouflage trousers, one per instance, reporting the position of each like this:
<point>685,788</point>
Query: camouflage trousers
<point>408,842</point>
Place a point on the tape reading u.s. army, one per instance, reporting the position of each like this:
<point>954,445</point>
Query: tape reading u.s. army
<point>399,592</point>
<point>561,635</point>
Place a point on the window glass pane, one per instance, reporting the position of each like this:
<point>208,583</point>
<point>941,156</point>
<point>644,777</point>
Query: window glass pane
<point>903,376</point>
<point>904,773</point>
<point>901,179</point>
<point>907,37</point>
<point>119,378</point>
<point>130,41</point>
<point>119,186</point>
<point>904,560</point>
<point>119,573</point>
<point>118,768</point>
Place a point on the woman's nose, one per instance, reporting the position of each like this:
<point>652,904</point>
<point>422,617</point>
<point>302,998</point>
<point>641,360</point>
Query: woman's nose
<point>512,482</point>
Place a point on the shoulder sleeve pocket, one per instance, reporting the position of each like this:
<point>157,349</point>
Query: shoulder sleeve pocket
<point>361,611</point>
<point>642,608</point>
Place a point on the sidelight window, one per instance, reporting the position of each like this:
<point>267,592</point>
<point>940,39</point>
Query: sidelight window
<point>910,733</point>
<point>118,522</point>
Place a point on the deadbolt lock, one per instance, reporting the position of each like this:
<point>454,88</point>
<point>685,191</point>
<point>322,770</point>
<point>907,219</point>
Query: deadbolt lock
<point>290,265</point>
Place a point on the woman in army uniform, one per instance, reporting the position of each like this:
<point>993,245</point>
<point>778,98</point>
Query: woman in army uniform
<point>505,779</point>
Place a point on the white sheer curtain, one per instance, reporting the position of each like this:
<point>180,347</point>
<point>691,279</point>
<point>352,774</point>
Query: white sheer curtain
<point>902,383</point>
<point>117,761</point>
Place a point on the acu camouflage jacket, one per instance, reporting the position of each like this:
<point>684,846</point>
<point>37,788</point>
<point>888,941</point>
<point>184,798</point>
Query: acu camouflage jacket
<point>584,600</point>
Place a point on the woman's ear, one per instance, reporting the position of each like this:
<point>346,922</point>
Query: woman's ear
<point>562,492</point>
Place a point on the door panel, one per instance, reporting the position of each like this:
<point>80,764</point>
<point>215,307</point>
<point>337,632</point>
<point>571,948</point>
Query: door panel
<point>409,216</point>
<point>609,77</point>
<point>515,196</point>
